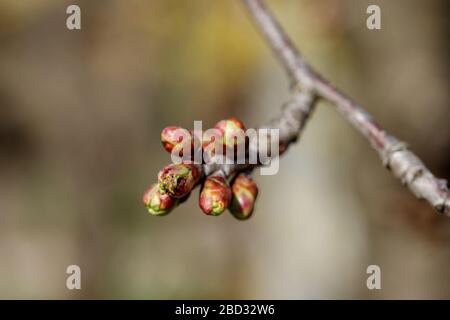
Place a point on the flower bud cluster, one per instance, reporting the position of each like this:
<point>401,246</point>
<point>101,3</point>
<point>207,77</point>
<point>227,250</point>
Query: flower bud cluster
<point>176,181</point>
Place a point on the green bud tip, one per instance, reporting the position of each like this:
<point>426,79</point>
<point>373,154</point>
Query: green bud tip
<point>179,179</point>
<point>158,203</point>
<point>215,196</point>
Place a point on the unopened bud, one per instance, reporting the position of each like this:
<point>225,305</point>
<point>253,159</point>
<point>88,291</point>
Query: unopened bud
<point>215,196</point>
<point>232,131</point>
<point>175,137</point>
<point>245,191</point>
<point>158,203</point>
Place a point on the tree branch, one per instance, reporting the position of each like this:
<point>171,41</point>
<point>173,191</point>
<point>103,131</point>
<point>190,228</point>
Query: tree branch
<point>395,155</point>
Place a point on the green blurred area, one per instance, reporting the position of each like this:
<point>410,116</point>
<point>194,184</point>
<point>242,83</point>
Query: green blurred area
<point>80,117</point>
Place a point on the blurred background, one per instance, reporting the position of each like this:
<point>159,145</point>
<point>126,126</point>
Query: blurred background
<point>80,119</point>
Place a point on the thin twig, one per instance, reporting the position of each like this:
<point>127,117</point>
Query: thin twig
<point>404,164</point>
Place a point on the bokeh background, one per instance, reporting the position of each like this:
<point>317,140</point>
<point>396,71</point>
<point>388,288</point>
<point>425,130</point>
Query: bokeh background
<point>80,118</point>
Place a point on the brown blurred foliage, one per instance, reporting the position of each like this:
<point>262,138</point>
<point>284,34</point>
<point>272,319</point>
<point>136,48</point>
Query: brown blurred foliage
<point>80,118</point>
